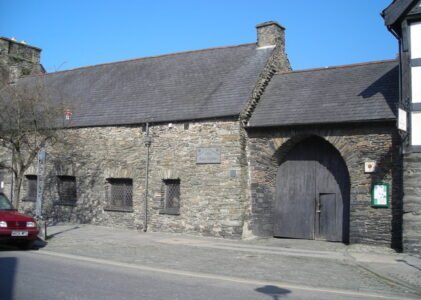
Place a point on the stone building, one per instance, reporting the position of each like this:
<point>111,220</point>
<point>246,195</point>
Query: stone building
<point>310,140</point>
<point>157,142</point>
<point>228,142</point>
<point>403,19</point>
<point>16,59</point>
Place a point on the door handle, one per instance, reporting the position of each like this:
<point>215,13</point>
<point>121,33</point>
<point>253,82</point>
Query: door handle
<point>318,211</point>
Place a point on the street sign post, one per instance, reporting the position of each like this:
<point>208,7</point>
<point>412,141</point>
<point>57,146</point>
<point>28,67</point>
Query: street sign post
<point>40,182</point>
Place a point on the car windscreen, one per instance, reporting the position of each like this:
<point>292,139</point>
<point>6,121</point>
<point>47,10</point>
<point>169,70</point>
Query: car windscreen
<point>5,203</point>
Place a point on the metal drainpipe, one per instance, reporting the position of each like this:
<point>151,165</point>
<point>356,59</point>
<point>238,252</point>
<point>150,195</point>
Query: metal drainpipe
<point>148,141</point>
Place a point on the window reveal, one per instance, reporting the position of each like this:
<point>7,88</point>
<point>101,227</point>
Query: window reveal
<point>67,189</point>
<point>171,196</point>
<point>31,188</point>
<point>121,192</point>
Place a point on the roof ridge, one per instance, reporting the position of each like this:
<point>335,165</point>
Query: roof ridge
<point>141,58</point>
<point>338,66</point>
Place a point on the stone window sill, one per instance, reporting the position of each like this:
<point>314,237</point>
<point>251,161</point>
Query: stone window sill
<point>170,211</point>
<point>29,199</point>
<point>119,209</point>
<point>65,203</point>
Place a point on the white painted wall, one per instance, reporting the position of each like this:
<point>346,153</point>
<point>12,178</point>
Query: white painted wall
<point>416,84</point>
<point>415,35</point>
<point>416,129</point>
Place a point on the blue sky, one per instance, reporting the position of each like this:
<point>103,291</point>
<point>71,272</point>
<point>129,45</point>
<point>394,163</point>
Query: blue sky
<point>85,32</point>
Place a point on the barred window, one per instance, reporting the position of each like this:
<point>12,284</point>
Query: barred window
<point>67,190</point>
<point>171,196</point>
<point>31,188</point>
<point>120,194</point>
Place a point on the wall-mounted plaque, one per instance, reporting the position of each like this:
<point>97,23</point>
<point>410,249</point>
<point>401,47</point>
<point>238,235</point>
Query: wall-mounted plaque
<point>380,195</point>
<point>208,155</point>
<point>370,166</point>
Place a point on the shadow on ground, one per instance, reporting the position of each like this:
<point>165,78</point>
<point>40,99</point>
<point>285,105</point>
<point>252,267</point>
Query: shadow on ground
<point>274,291</point>
<point>8,266</point>
<point>60,232</point>
<point>9,246</point>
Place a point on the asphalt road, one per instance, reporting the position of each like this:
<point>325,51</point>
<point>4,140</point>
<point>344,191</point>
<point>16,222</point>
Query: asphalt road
<point>39,275</point>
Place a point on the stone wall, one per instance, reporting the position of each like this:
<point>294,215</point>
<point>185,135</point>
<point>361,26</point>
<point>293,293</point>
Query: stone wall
<point>17,59</point>
<point>6,176</point>
<point>412,203</point>
<point>211,196</point>
<point>277,63</point>
<point>357,144</point>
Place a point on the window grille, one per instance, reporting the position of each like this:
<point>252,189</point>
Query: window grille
<point>67,189</point>
<point>121,192</point>
<point>171,196</point>
<point>31,188</point>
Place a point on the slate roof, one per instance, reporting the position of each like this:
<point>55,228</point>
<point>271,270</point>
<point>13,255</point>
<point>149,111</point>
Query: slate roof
<point>181,86</point>
<point>353,93</point>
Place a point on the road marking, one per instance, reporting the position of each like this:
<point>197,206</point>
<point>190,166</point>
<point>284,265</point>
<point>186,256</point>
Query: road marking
<point>217,277</point>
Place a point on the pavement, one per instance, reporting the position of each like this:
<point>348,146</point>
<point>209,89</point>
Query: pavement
<point>368,270</point>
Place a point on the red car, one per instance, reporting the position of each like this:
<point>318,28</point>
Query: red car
<point>16,228</point>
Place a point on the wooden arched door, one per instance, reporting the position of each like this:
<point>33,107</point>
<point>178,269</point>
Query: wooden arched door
<point>312,193</point>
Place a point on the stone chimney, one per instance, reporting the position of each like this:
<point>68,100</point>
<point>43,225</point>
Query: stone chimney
<point>270,34</point>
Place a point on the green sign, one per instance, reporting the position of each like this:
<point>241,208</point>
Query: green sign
<point>380,195</point>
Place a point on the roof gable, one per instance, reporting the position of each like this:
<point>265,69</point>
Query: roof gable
<point>396,10</point>
<point>354,93</point>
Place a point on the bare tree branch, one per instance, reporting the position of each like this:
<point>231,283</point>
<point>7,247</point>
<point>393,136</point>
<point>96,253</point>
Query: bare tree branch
<point>29,120</point>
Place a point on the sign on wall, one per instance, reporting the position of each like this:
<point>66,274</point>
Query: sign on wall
<point>380,195</point>
<point>370,166</point>
<point>208,155</point>
<point>402,120</point>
